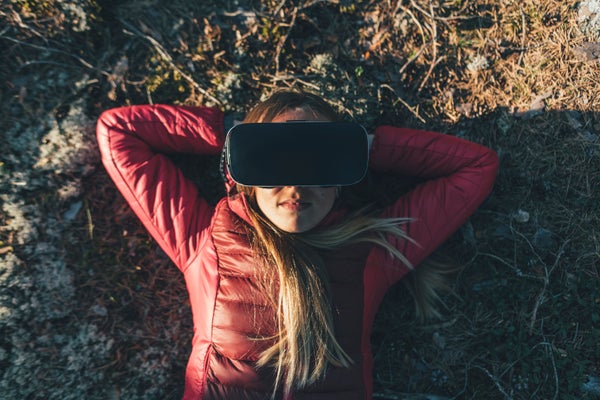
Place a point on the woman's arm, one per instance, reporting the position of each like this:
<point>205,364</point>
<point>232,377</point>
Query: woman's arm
<point>134,142</point>
<point>458,175</point>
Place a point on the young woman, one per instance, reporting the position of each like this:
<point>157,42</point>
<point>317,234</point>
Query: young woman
<point>284,282</point>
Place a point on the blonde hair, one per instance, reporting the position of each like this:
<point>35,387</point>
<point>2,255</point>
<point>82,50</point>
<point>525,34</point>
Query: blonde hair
<point>305,343</point>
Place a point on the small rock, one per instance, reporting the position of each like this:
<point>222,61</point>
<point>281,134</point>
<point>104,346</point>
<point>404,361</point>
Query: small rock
<point>16,110</point>
<point>589,137</point>
<point>72,212</point>
<point>469,234</point>
<point>439,340</point>
<point>592,385</point>
<point>539,104</point>
<point>588,18</point>
<point>99,310</point>
<point>536,107</point>
<point>478,63</point>
<point>464,108</point>
<point>574,119</point>
<point>504,123</point>
<point>542,239</point>
<point>521,216</point>
<point>588,51</point>
<point>504,232</point>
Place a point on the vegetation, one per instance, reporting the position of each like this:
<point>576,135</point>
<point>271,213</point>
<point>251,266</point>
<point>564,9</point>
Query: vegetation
<point>91,308</point>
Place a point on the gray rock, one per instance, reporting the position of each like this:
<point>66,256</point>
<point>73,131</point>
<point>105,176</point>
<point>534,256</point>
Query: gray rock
<point>543,239</point>
<point>588,18</point>
<point>592,385</point>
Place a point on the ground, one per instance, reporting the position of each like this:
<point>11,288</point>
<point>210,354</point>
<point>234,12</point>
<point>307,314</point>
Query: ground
<point>91,308</point>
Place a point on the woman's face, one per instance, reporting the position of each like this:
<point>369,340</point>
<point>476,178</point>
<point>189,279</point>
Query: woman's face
<point>296,209</point>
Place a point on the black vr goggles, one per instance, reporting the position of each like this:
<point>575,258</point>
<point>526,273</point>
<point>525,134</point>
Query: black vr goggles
<point>297,153</point>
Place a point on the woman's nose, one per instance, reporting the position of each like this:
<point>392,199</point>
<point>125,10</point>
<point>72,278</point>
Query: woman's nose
<point>294,191</point>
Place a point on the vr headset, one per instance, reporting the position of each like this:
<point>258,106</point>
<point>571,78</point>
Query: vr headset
<point>297,153</point>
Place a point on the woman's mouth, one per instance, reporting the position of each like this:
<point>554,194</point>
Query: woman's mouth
<point>294,205</point>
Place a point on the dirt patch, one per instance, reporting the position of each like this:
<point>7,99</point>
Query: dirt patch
<point>91,308</point>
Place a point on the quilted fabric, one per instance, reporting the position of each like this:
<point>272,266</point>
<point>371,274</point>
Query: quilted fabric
<point>210,246</point>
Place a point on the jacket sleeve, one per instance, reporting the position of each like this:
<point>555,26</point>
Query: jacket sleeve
<point>133,143</point>
<point>458,176</point>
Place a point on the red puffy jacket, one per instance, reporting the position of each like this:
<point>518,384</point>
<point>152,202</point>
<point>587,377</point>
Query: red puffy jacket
<point>209,245</point>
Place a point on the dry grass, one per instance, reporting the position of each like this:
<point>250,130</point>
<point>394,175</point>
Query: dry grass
<point>523,321</point>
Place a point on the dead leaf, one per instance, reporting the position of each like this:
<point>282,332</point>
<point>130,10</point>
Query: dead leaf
<point>536,107</point>
<point>539,104</point>
<point>378,39</point>
<point>464,108</point>
<point>588,51</point>
<point>6,249</point>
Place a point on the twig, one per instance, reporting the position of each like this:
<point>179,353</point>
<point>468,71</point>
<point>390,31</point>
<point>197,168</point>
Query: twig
<point>538,303</point>
<point>418,7</point>
<point>495,380</point>
<point>431,67</point>
<point>315,2</point>
<point>523,35</point>
<point>441,325</point>
<point>90,221</point>
<point>558,255</point>
<point>434,60</point>
<point>516,269</point>
<point>418,24</point>
<point>549,345</point>
<point>404,103</point>
<point>342,106</point>
<point>413,58</point>
<point>279,7</point>
<point>555,373</point>
<point>52,50</point>
<point>458,16</point>
<point>149,95</point>
<point>167,57</point>
<point>290,77</point>
<point>284,39</point>
<point>454,17</point>
<point>495,257</point>
<point>416,21</point>
<point>21,24</point>
<point>464,388</point>
<point>409,396</point>
<point>540,299</point>
<point>515,362</point>
<point>42,62</point>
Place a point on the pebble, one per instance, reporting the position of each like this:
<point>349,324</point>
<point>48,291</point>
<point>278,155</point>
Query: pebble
<point>72,212</point>
<point>542,239</point>
<point>439,340</point>
<point>99,310</point>
<point>521,216</point>
<point>588,18</point>
<point>592,385</point>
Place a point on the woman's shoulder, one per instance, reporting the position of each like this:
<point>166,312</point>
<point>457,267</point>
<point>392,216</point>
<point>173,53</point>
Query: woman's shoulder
<point>230,216</point>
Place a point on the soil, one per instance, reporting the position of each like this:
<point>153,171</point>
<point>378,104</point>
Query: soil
<point>91,308</point>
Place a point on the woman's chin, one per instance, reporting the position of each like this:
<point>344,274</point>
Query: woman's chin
<point>294,226</point>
